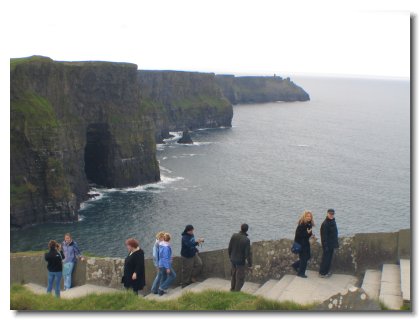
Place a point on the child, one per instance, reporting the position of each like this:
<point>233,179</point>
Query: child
<point>165,264</point>
<point>158,279</point>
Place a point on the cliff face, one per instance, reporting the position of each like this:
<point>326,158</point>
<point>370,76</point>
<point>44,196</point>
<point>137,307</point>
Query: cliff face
<point>260,89</point>
<point>70,123</point>
<point>179,100</point>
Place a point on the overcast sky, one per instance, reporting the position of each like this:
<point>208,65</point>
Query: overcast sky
<point>242,37</point>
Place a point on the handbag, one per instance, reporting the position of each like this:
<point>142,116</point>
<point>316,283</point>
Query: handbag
<point>296,248</point>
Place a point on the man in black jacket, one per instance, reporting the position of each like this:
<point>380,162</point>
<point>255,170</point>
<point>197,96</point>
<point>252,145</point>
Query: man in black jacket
<point>329,241</point>
<point>239,254</point>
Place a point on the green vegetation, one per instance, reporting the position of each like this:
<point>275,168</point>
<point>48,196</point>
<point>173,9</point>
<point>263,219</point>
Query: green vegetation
<point>35,110</point>
<point>19,191</point>
<point>194,102</point>
<point>17,61</point>
<point>22,299</point>
<point>29,253</point>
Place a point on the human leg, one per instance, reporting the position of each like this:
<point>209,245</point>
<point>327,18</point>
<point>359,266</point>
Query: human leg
<point>197,266</point>
<point>187,269</point>
<point>51,277</point>
<point>67,274</point>
<point>58,276</point>
<point>240,277</point>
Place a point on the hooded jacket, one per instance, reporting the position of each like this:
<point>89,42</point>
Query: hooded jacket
<point>71,251</point>
<point>134,263</point>
<point>156,253</point>
<point>240,249</point>
<point>165,255</point>
<point>54,259</point>
<point>329,234</point>
<point>189,245</point>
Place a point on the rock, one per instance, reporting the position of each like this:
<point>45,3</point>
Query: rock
<point>355,299</point>
<point>260,89</point>
<point>186,138</point>
<point>71,122</point>
<point>179,100</point>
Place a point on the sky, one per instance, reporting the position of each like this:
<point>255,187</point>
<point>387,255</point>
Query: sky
<point>244,37</point>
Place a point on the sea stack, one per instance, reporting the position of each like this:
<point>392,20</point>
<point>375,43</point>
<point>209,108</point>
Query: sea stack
<point>186,138</point>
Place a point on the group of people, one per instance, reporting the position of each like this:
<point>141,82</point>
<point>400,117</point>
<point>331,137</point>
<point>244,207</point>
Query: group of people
<point>329,242</point>
<point>62,258</point>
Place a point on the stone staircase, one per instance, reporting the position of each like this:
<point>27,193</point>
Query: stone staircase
<point>289,288</point>
<point>391,286</point>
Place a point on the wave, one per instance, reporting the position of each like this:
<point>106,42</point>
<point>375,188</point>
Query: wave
<point>164,180</point>
<point>165,169</point>
<point>300,145</point>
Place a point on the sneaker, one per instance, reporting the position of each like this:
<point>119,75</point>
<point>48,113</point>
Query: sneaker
<point>155,292</point>
<point>322,275</point>
<point>329,274</point>
<point>302,275</point>
<point>161,292</point>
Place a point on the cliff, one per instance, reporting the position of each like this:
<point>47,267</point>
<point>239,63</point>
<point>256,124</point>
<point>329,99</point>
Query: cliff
<point>71,122</point>
<point>181,100</point>
<point>260,89</point>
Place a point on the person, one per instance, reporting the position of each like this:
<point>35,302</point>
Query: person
<point>158,279</point>
<point>191,262</point>
<point>329,241</point>
<point>240,255</point>
<point>166,270</point>
<point>71,253</point>
<point>302,236</point>
<point>54,260</point>
<point>134,272</point>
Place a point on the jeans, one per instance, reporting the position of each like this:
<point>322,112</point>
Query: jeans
<point>238,277</point>
<point>302,263</point>
<point>166,283</point>
<point>57,277</point>
<point>67,272</point>
<point>327,255</point>
<point>157,281</point>
<point>191,267</point>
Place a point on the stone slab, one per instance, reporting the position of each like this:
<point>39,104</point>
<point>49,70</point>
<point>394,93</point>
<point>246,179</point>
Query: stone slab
<point>355,299</point>
<point>405,269</point>
<point>275,292</point>
<point>267,286</point>
<point>72,293</point>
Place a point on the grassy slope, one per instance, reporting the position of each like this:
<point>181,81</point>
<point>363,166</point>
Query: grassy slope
<point>23,299</point>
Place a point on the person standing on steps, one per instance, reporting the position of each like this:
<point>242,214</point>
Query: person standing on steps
<point>158,279</point>
<point>240,256</point>
<point>54,258</point>
<point>134,272</point>
<point>165,264</point>
<point>329,241</point>
<point>191,262</point>
<point>71,253</point>
<point>302,236</point>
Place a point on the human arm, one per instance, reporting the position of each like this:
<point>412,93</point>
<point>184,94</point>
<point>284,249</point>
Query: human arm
<point>248,253</point>
<point>77,251</point>
<point>230,247</point>
<point>139,267</point>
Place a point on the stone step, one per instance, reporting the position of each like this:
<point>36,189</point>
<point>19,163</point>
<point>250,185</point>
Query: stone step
<point>405,269</point>
<point>75,292</point>
<point>372,283</point>
<point>174,293</point>
<point>315,289</point>
<point>390,292</point>
<point>267,286</point>
<point>278,288</point>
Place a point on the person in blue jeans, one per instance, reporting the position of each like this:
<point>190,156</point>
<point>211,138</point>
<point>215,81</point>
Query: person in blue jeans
<point>71,253</point>
<point>54,258</point>
<point>158,278</point>
<point>165,264</point>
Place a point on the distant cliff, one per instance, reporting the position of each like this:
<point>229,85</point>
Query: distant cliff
<point>260,89</point>
<point>179,100</point>
<point>70,123</point>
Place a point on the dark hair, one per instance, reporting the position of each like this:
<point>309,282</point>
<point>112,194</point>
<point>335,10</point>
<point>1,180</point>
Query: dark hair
<point>132,243</point>
<point>244,227</point>
<point>188,227</point>
<point>330,211</point>
<point>52,244</point>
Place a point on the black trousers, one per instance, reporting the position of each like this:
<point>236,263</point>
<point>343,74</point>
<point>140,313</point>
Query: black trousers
<point>238,277</point>
<point>327,255</point>
<point>302,263</point>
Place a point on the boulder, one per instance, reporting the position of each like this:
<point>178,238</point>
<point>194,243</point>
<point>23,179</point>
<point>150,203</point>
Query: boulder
<point>355,299</point>
<point>186,138</point>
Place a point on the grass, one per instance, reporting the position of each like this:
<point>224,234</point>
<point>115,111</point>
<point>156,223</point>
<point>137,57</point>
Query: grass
<point>22,299</point>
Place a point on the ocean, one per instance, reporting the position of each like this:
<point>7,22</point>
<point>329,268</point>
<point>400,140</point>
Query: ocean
<point>348,149</point>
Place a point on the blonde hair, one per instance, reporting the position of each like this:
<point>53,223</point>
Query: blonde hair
<point>160,234</point>
<point>302,219</point>
<point>167,237</point>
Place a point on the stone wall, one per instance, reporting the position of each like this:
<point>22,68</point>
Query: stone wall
<point>272,259</point>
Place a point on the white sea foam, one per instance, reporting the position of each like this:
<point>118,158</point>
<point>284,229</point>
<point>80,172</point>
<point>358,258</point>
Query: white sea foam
<point>165,169</point>
<point>176,135</point>
<point>80,217</point>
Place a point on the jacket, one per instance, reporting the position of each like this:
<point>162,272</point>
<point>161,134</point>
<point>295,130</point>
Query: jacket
<point>54,260</point>
<point>189,245</point>
<point>155,253</point>
<point>240,249</point>
<point>71,251</point>
<point>302,237</point>
<point>329,234</point>
<point>134,263</point>
<point>165,255</point>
